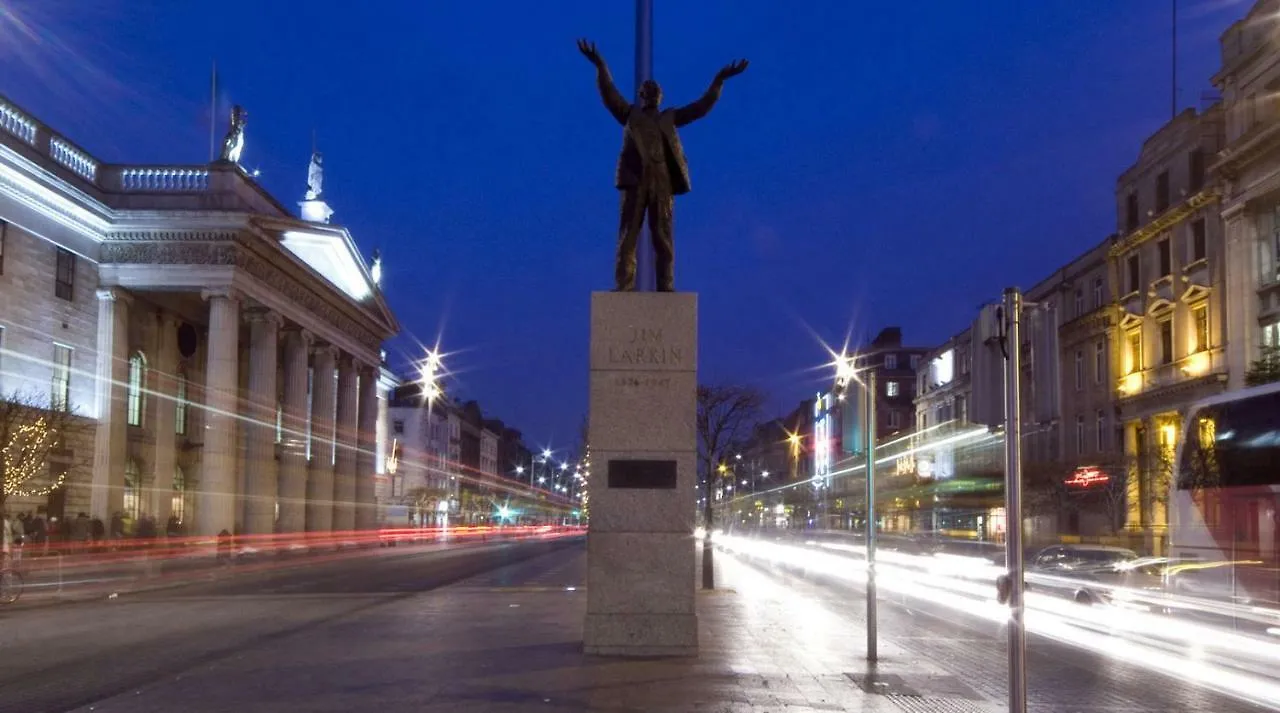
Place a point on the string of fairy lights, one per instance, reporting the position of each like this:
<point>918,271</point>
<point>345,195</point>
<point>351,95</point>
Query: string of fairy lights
<point>24,460</point>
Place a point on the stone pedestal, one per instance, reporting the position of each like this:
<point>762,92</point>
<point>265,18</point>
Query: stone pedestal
<point>643,402</point>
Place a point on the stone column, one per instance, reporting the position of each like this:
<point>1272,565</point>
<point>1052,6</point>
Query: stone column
<point>320,472</point>
<point>260,425</point>
<point>1239,297</point>
<point>344,478</point>
<point>293,446</point>
<point>366,455</point>
<point>166,393</point>
<point>216,500</point>
<point>107,493</point>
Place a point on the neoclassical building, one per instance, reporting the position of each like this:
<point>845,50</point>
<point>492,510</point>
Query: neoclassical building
<point>225,354</point>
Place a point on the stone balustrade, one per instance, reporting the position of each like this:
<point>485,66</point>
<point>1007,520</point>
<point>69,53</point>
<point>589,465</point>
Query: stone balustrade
<point>71,156</point>
<point>14,121</point>
<point>157,179</point>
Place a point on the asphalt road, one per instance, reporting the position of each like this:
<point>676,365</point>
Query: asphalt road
<point>69,656</point>
<point>972,651</point>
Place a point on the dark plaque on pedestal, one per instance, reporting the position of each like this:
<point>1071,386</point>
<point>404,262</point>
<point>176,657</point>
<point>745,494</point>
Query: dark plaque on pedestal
<point>642,474</point>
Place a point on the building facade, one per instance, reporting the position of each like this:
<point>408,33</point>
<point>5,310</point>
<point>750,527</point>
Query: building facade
<point>1168,269</point>
<point>1246,170</point>
<point>225,354</point>
<point>895,368</point>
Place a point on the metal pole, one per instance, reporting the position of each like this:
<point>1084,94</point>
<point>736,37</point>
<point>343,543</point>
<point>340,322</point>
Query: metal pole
<point>870,427</point>
<point>708,566</point>
<point>1173,97</point>
<point>645,279</point>
<point>213,110</point>
<point>1013,500</point>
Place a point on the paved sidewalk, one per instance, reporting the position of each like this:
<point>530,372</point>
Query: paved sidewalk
<point>511,640</point>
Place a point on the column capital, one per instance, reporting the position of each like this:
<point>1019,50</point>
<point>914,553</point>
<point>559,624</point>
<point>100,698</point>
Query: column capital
<point>303,335</point>
<point>114,294</point>
<point>229,293</point>
<point>263,314</point>
<point>319,348</point>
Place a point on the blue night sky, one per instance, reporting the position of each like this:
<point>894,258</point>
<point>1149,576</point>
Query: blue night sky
<point>878,164</point>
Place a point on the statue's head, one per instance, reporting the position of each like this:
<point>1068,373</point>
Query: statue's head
<point>650,94</point>
<point>238,116</point>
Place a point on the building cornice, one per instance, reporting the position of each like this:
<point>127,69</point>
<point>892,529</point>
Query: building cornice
<point>1167,220</point>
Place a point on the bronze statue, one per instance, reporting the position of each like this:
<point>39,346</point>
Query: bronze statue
<point>233,142</point>
<point>652,169</point>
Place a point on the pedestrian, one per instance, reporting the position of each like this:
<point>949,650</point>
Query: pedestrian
<point>97,531</point>
<point>11,540</point>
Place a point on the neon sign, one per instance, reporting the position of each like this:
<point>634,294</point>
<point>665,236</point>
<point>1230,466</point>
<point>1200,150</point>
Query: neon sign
<point>1087,477</point>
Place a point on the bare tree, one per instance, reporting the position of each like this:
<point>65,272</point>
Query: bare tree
<point>726,415</point>
<point>35,439</point>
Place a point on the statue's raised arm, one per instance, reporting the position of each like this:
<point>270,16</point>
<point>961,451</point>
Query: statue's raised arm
<point>613,99</point>
<point>690,113</point>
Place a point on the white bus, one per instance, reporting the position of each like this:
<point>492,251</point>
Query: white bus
<point>1223,534</point>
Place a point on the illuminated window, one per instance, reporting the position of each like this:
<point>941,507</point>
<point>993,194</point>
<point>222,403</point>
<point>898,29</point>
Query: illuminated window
<point>891,388</point>
<point>132,489</point>
<point>180,411</point>
<point>1200,315</point>
<point>178,503</point>
<point>60,395</point>
<point>1135,351</point>
<point>1166,341</point>
<point>1099,361</point>
<point>137,378</point>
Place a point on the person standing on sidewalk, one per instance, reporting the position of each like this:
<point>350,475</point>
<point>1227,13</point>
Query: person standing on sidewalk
<point>11,534</point>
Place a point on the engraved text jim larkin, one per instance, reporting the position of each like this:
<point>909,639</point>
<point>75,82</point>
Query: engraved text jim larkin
<point>645,347</point>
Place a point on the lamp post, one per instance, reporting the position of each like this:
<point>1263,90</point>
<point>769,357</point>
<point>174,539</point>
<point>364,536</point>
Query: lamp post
<point>846,373</point>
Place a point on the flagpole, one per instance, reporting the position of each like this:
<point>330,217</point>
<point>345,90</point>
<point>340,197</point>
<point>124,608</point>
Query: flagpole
<point>644,71</point>
<point>213,111</point>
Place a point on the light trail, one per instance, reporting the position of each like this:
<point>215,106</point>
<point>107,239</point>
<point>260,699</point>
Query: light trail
<point>1226,661</point>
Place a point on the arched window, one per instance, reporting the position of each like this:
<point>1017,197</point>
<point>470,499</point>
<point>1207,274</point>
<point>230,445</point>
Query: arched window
<point>137,380</point>
<point>180,412</point>
<point>132,489</point>
<point>178,506</point>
